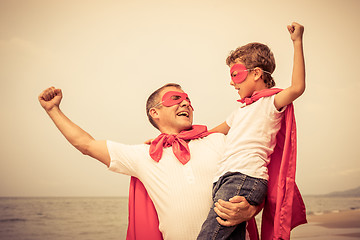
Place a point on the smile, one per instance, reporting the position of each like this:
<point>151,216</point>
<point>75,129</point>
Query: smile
<point>183,114</point>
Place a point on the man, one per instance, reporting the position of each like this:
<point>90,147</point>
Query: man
<point>178,183</point>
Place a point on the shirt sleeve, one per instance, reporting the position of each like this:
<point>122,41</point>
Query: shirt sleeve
<point>125,159</point>
<point>218,142</point>
<point>273,110</point>
<point>229,120</point>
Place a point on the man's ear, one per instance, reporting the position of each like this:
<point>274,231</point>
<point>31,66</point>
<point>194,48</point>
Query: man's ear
<point>154,113</point>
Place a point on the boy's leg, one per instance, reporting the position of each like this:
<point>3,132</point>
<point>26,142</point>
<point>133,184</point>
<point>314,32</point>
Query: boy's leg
<point>228,186</point>
<point>239,232</point>
<point>225,188</point>
<point>254,190</point>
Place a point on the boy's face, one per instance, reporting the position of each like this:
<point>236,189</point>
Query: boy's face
<point>238,73</point>
<point>242,79</point>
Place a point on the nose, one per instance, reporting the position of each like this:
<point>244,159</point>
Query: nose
<point>232,83</point>
<point>184,103</point>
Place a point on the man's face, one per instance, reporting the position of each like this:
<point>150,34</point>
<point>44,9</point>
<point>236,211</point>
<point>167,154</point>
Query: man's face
<point>177,117</point>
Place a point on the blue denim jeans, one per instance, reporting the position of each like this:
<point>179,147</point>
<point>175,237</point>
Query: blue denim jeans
<point>229,185</point>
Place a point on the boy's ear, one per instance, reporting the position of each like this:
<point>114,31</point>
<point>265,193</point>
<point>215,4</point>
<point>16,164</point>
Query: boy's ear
<point>257,73</point>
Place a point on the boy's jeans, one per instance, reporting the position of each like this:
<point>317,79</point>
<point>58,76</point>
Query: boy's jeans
<point>229,185</point>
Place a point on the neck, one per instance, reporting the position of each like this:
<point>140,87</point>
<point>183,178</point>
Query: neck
<point>172,131</point>
<point>260,87</point>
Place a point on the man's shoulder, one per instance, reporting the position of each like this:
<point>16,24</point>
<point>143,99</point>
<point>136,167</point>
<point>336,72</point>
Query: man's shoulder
<point>213,145</point>
<point>213,137</point>
<point>127,147</point>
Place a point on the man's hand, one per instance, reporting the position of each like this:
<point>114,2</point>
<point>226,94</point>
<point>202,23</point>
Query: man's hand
<point>296,31</point>
<point>148,142</point>
<point>236,211</point>
<point>50,98</point>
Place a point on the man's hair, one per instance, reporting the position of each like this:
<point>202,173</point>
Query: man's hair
<point>154,99</point>
<point>255,55</point>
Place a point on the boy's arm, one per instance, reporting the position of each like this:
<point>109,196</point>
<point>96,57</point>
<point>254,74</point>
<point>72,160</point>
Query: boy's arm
<point>222,128</point>
<point>50,100</point>
<point>297,87</point>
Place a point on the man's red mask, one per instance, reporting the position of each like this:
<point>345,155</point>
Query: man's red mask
<point>172,98</point>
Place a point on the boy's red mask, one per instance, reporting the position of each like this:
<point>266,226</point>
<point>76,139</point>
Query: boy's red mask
<point>241,73</point>
<point>172,98</point>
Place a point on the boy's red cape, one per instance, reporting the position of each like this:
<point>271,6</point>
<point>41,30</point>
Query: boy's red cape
<point>284,208</point>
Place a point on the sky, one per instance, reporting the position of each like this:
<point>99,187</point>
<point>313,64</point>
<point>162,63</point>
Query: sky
<point>109,56</point>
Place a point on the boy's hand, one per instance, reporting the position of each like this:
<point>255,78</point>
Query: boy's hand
<point>50,98</point>
<point>296,31</point>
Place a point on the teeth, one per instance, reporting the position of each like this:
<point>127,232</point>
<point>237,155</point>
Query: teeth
<point>183,114</point>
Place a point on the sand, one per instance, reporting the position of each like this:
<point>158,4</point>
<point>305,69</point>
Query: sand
<point>343,225</point>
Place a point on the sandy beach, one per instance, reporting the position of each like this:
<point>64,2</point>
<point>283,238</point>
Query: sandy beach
<point>344,225</point>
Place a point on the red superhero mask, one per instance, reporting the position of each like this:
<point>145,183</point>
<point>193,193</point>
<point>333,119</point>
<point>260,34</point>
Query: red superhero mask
<point>172,98</point>
<point>241,73</point>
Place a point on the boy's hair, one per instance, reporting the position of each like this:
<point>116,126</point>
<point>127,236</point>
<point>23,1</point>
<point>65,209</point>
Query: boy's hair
<point>154,99</point>
<point>255,55</point>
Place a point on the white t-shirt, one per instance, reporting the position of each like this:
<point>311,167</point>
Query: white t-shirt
<point>251,138</point>
<point>181,193</point>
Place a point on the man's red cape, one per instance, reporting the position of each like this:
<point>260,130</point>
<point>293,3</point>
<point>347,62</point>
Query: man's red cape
<point>143,219</point>
<point>284,208</point>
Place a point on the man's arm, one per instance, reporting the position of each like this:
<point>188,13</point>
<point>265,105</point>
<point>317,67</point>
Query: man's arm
<point>235,211</point>
<point>297,87</point>
<point>50,100</point>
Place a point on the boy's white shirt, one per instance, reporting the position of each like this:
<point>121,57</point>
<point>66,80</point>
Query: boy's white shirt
<point>251,138</point>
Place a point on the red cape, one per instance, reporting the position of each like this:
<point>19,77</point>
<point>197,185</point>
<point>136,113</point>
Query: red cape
<point>284,208</point>
<point>143,220</point>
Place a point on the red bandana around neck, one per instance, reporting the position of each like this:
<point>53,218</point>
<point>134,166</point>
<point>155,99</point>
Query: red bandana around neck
<point>260,94</point>
<point>178,143</point>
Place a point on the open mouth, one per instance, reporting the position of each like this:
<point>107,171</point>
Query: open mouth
<point>183,114</point>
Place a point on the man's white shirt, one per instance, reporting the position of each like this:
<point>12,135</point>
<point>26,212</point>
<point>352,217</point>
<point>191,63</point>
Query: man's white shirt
<point>182,194</point>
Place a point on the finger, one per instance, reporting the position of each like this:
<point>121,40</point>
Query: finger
<point>48,94</point>
<point>225,223</point>
<point>228,208</point>
<point>237,199</point>
<point>297,27</point>
<point>58,92</point>
<point>225,205</point>
<point>290,28</point>
<point>295,24</point>
<point>45,95</point>
<point>148,142</point>
<point>221,214</point>
<point>51,94</point>
<point>41,95</point>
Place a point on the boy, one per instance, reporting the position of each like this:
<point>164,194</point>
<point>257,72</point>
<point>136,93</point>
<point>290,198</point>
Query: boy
<point>252,128</point>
